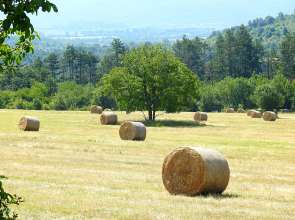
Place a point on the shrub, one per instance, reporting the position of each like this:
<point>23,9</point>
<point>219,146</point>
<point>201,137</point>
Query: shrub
<point>268,98</point>
<point>6,97</point>
<point>58,103</point>
<point>101,99</point>
<point>284,87</point>
<point>210,99</point>
<point>72,96</point>
<point>235,92</point>
<point>37,104</point>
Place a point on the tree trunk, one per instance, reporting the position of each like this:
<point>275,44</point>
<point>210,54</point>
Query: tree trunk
<point>151,115</point>
<point>154,115</point>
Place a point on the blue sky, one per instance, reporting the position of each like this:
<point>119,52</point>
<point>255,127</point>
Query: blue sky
<point>159,13</point>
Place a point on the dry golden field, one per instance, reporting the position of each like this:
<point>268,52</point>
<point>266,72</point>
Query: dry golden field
<point>74,168</point>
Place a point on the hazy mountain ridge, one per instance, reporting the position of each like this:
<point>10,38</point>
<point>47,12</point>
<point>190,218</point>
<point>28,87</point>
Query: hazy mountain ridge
<point>269,30</point>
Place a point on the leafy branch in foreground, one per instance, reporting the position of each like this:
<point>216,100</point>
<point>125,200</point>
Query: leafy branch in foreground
<point>16,29</point>
<point>6,200</point>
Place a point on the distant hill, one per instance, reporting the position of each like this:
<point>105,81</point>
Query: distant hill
<point>270,30</point>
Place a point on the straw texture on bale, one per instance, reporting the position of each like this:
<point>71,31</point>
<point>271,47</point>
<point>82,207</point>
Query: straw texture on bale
<point>28,123</point>
<point>200,116</point>
<point>230,110</point>
<point>107,110</point>
<point>135,131</point>
<point>249,112</point>
<point>240,110</point>
<point>193,171</point>
<point>255,114</point>
<point>269,116</point>
<point>96,109</point>
<point>108,118</point>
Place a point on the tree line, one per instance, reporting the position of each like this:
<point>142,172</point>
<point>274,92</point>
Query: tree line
<point>190,74</point>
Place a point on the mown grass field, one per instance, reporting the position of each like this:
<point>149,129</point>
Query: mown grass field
<point>74,168</point>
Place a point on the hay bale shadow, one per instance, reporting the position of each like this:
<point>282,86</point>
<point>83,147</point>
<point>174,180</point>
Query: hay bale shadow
<point>221,196</point>
<point>173,123</point>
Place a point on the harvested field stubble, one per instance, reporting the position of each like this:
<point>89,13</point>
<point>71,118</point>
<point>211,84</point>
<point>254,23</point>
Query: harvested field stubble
<point>75,168</point>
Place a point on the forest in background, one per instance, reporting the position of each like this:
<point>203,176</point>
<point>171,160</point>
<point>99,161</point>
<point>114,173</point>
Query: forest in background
<point>242,67</point>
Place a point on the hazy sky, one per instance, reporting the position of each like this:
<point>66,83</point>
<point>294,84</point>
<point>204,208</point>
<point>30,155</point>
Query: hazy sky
<point>155,13</point>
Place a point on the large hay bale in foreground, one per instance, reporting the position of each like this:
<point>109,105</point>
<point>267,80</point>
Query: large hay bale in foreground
<point>135,131</point>
<point>108,118</point>
<point>192,171</point>
<point>255,114</point>
<point>96,109</point>
<point>269,116</point>
<point>28,123</point>
<point>229,110</point>
<point>200,116</point>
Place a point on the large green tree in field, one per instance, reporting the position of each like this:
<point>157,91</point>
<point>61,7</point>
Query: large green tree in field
<point>151,79</point>
<point>16,29</point>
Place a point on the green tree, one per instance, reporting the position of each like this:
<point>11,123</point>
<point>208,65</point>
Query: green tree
<point>72,96</point>
<point>151,78</point>
<point>68,61</point>
<point>192,53</point>
<point>218,63</point>
<point>236,54</point>
<point>210,99</point>
<point>288,55</point>
<point>16,23</point>
<point>235,92</point>
<point>268,98</point>
<point>230,52</point>
<point>52,62</point>
<point>113,58</point>
<point>284,87</point>
<point>119,50</point>
<point>245,52</point>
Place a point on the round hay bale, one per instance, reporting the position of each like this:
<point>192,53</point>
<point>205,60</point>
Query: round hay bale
<point>28,123</point>
<point>249,112</point>
<point>108,118</point>
<point>230,110</point>
<point>134,131</point>
<point>107,110</point>
<point>192,171</point>
<point>96,109</point>
<point>269,116</point>
<point>255,114</point>
<point>200,116</point>
<point>240,110</point>
<point>285,110</point>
